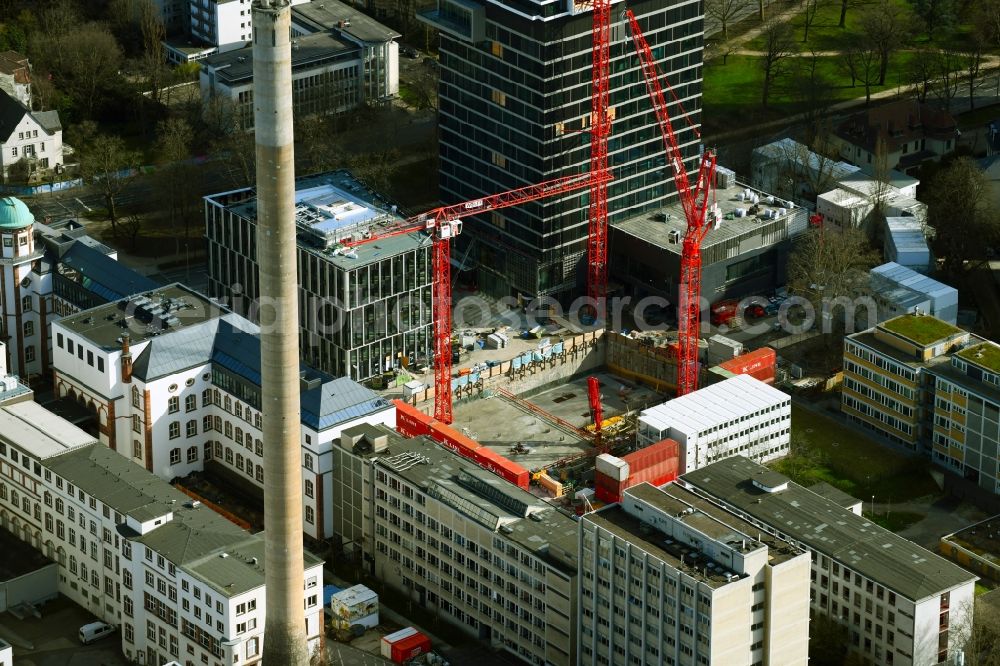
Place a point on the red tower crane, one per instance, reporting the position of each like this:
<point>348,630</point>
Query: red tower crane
<point>596,409</point>
<point>444,223</point>
<point>600,128</point>
<point>696,202</point>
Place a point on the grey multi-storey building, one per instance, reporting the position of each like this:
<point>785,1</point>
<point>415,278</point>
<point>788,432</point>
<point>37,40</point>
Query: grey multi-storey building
<point>515,99</point>
<point>459,541</point>
<point>362,310</point>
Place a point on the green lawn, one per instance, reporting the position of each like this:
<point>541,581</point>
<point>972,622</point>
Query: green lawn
<point>825,450</point>
<point>896,521</point>
<point>732,91</point>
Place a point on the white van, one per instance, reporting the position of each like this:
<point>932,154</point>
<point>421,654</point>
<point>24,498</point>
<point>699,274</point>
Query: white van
<point>95,631</point>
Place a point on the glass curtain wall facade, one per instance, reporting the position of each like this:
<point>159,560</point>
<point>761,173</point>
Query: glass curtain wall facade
<point>356,319</point>
<point>514,108</point>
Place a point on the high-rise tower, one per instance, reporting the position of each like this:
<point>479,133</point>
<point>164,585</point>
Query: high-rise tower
<point>284,631</point>
<point>515,95</point>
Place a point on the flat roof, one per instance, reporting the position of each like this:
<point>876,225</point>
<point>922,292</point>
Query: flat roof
<point>336,15</point>
<point>825,526</point>
<point>923,330</point>
<point>986,355</point>
<point>717,525</point>
<point>476,493</point>
<point>723,401</point>
<point>335,206</point>
<point>652,228</point>
<point>38,432</point>
<point>947,371</point>
<point>834,494</point>
<point>236,66</point>
<point>143,316</point>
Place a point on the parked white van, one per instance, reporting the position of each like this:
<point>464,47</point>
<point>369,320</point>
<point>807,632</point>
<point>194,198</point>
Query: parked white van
<point>95,631</point>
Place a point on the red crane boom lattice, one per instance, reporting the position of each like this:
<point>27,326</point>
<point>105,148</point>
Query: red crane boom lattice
<point>696,202</point>
<point>444,223</point>
<point>600,128</point>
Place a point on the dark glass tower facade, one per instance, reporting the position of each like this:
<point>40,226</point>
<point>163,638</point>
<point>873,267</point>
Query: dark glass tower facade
<point>514,108</point>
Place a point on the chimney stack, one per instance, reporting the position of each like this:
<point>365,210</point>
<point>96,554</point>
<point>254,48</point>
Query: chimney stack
<point>284,629</point>
<point>126,360</point>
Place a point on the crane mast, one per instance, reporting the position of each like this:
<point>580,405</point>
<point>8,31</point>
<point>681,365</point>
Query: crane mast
<point>600,128</point>
<point>696,202</point>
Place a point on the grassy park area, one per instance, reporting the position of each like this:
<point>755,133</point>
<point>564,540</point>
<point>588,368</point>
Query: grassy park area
<point>825,450</point>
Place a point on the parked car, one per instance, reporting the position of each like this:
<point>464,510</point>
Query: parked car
<point>95,631</point>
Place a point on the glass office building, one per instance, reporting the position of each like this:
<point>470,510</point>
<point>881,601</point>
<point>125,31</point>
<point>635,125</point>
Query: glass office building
<point>514,109</point>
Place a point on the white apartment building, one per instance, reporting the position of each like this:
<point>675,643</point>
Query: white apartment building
<point>902,605</point>
<point>738,416</point>
<point>47,271</point>
<point>179,581</point>
<point>174,382</point>
<point>459,541</point>
<point>33,136</point>
<point>669,578</point>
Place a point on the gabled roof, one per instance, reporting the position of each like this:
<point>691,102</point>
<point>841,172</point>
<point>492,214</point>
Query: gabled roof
<point>12,112</point>
<point>106,277</point>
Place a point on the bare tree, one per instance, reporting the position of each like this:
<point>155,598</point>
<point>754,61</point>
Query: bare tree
<point>862,59</point>
<point>108,164</point>
<point>959,207</point>
<point>921,70</point>
<point>810,9</point>
<point>986,18</point>
<point>724,11</point>
<point>886,26</point>
<point>950,72</point>
<point>376,168</point>
<point>844,6</point>
<point>87,60</point>
<point>153,55</point>
<point>975,47</point>
<point>813,91</point>
<point>981,631</point>
<point>131,226</point>
<point>778,47</point>
<point>176,181</point>
<point>830,263</point>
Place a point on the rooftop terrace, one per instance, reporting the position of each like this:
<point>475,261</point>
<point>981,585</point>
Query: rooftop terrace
<point>923,330</point>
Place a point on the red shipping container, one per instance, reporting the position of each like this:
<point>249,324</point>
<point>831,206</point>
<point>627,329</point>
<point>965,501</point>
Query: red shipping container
<point>501,466</point>
<point>759,364</point>
<point>607,489</point>
<point>410,421</point>
<point>656,464</point>
<point>454,440</point>
<point>405,645</point>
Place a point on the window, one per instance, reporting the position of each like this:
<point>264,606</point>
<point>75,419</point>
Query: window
<point>190,403</point>
<point>13,151</point>
<point>192,455</point>
<point>26,307</point>
<point>308,461</point>
<point>175,429</point>
<point>310,515</point>
<point>173,405</point>
<point>59,340</point>
<point>135,391</point>
<point>29,353</point>
<point>192,428</point>
<point>253,648</point>
<point>136,449</point>
<point>206,397</point>
<point>175,456</point>
<point>309,488</point>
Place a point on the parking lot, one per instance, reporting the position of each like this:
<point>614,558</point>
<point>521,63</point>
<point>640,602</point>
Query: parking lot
<point>53,641</point>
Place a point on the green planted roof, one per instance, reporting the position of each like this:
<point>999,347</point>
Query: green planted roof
<point>921,329</point>
<point>985,355</point>
<point>14,214</point>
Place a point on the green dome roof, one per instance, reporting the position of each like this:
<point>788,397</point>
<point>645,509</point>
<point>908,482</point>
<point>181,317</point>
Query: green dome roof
<point>14,214</point>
